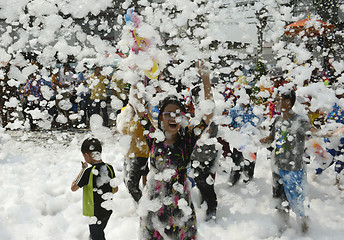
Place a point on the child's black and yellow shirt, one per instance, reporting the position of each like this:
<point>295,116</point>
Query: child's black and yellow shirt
<point>97,189</point>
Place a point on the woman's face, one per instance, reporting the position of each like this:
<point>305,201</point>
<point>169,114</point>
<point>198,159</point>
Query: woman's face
<point>172,117</point>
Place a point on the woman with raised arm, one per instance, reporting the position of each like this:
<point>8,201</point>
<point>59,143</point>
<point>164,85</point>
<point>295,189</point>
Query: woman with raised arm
<point>166,207</point>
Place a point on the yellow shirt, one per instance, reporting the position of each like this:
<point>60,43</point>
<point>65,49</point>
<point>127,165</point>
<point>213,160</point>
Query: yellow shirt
<point>138,144</point>
<point>121,88</point>
<point>97,85</point>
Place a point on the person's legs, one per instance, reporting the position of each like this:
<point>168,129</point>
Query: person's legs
<point>105,116</point>
<point>88,103</point>
<point>304,224</point>
<point>238,160</point>
<point>95,107</point>
<point>205,183</point>
<point>294,184</point>
<point>63,105</point>
<point>144,180</point>
<point>144,169</point>
<point>97,230</point>
<point>280,198</point>
<point>29,109</point>
<point>3,111</point>
<point>225,147</point>
<point>134,176</point>
<point>83,110</point>
<point>283,220</point>
<point>278,192</point>
<point>249,170</point>
<point>338,167</point>
<point>339,158</point>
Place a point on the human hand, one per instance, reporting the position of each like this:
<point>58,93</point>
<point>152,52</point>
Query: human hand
<point>84,165</point>
<point>203,69</point>
<point>136,99</point>
<point>339,130</point>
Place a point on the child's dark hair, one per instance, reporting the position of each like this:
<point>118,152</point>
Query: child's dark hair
<point>170,100</point>
<point>91,145</point>
<point>248,91</point>
<point>289,95</point>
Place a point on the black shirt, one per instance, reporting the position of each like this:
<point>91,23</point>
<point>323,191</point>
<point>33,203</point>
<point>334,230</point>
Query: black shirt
<point>102,173</point>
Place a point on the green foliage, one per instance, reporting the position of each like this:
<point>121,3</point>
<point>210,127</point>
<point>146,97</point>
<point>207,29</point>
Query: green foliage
<point>260,70</point>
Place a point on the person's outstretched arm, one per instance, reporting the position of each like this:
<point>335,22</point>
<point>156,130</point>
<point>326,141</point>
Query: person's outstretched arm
<point>203,71</point>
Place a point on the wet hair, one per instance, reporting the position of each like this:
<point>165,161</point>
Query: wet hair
<point>289,95</point>
<point>248,91</point>
<point>91,145</point>
<point>172,99</point>
<point>195,93</point>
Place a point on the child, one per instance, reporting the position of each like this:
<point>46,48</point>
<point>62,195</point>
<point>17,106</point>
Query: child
<point>243,120</point>
<point>97,188</point>
<point>288,169</point>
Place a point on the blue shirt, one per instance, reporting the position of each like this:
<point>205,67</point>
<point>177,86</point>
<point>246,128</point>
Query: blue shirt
<point>336,114</point>
<point>241,118</point>
<point>80,78</point>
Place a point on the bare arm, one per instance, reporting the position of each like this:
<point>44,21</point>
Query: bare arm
<point>136,102</point>
<point>318,133</point>
<point>268,139</point>
<point>205,76</point>
<point>74,186</point>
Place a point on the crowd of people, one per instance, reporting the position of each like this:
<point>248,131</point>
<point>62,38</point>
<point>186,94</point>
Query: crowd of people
<point>169,149</point>
<point>59,98</point>
<point>172,154</point>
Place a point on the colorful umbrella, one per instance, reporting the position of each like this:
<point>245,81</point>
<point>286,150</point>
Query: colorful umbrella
<point>308,27</point>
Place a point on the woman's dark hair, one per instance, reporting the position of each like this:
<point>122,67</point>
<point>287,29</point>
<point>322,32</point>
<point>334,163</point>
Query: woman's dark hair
<point>289,95</point>
<point>172,99</point>
<point>248,91</point>
<point>195,93</point>
<point>91,145</point>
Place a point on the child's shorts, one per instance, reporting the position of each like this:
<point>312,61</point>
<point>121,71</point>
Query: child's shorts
<point>290,186</point>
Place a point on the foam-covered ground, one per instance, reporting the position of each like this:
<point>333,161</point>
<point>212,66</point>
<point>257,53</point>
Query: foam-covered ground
<point>36,202</point>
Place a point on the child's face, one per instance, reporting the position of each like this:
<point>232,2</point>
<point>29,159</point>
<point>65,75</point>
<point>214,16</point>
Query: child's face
<point>87,158</point>
<point>172,117</point>
<point>283,105</point>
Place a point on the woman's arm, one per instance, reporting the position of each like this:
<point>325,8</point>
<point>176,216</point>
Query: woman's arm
<point>203,71</point>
